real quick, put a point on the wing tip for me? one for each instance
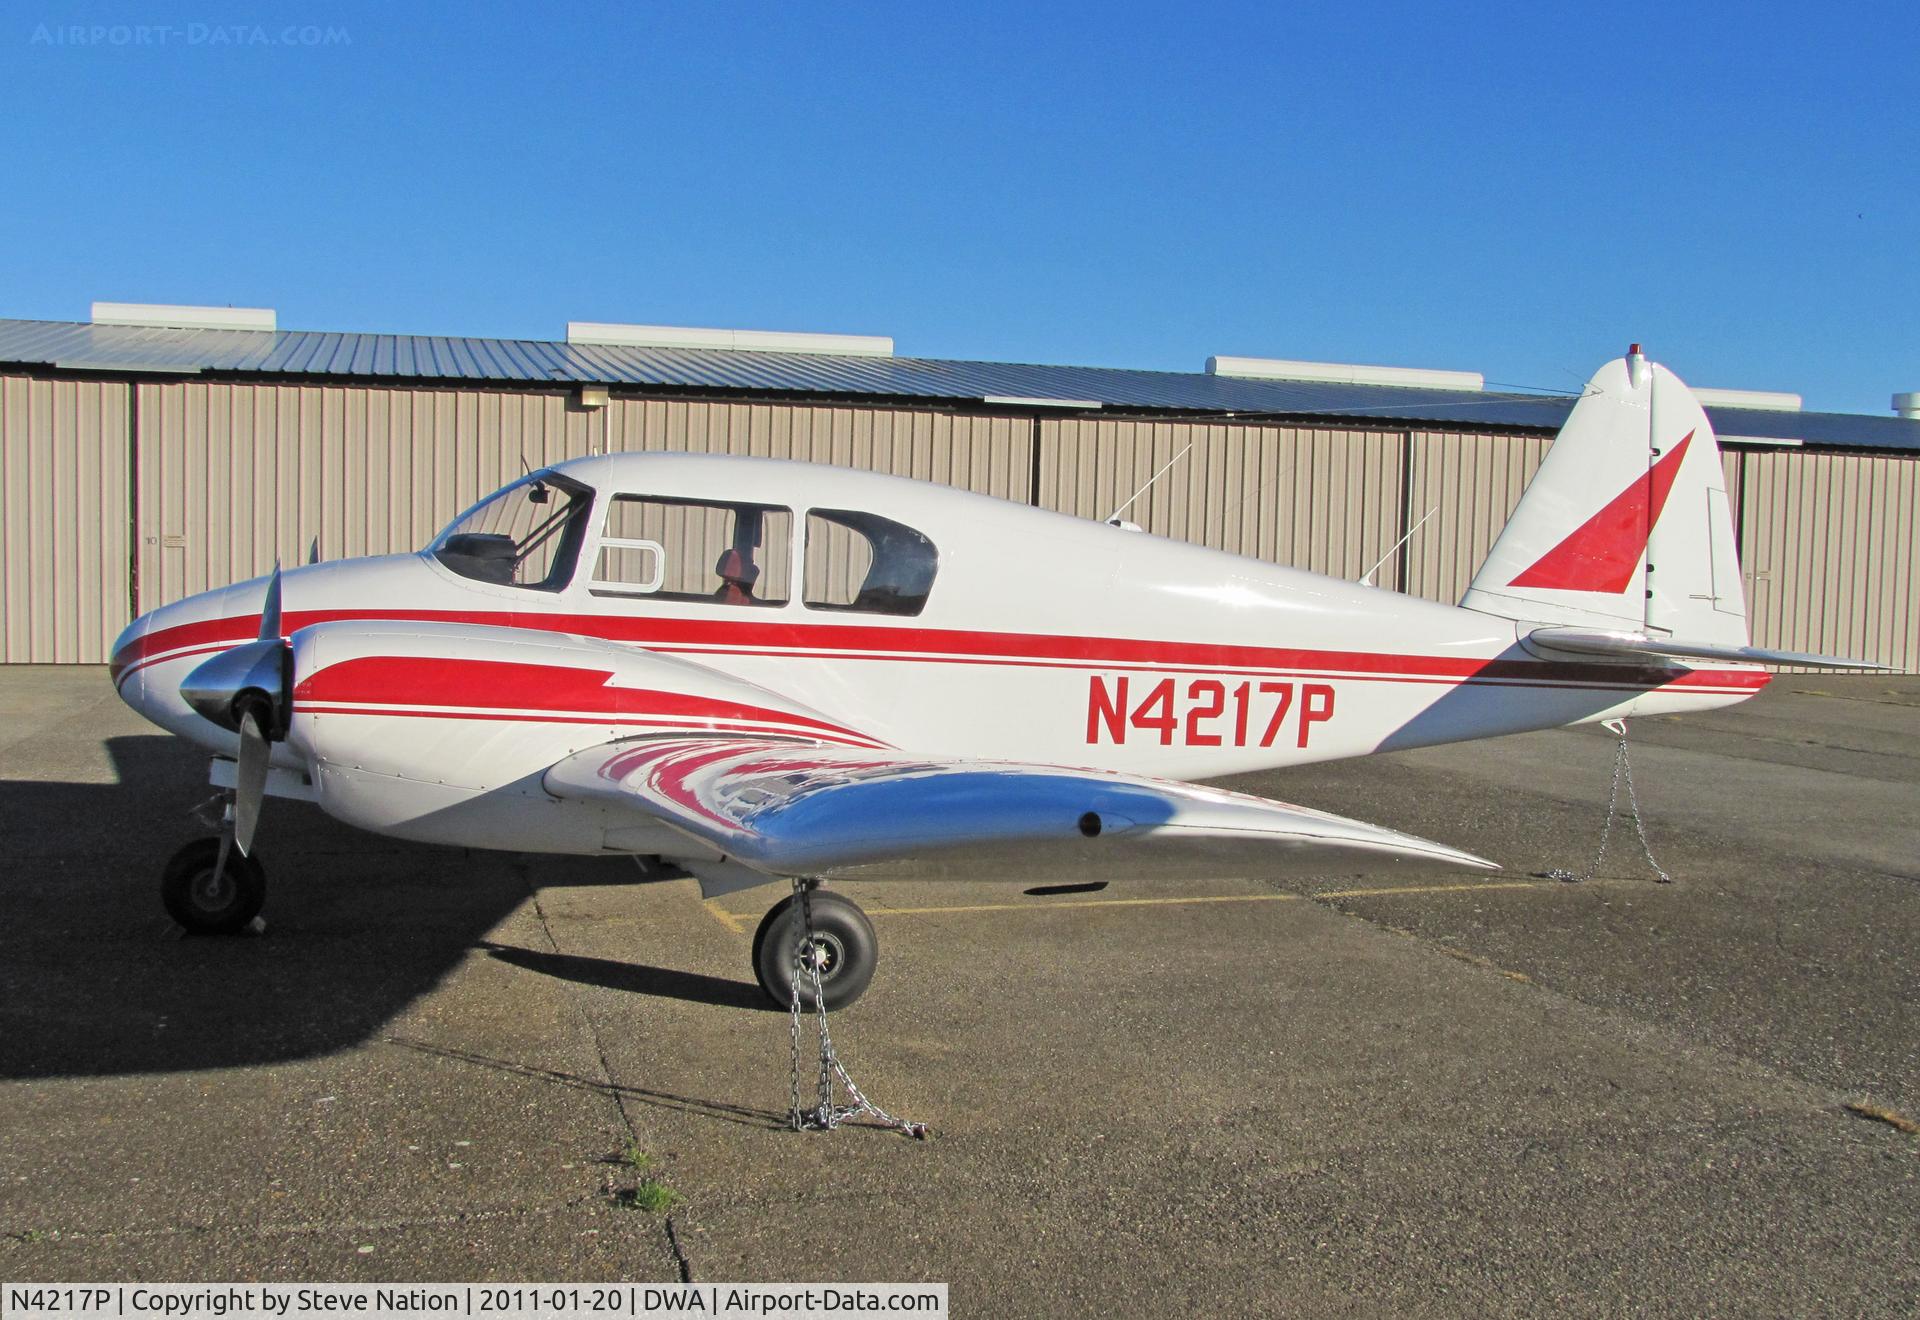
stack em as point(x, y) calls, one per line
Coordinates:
point(1471, 861)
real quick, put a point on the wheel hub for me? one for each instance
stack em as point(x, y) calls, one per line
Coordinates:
point(213, 891)
point(826, 955)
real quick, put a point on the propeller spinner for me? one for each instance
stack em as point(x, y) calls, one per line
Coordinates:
point(249, 688)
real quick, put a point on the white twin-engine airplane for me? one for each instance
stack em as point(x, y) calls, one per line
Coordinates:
point(759, 670)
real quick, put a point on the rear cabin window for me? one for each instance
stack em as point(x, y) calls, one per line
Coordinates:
point(726, 554)
point(866, 564)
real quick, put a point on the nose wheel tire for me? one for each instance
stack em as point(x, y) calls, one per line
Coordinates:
point(844, 944)
point(207, 899)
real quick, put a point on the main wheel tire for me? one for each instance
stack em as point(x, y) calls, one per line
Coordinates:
point(845, 938)
point(210, 902)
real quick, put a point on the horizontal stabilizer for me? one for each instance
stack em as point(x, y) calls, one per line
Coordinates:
point(1639, 644)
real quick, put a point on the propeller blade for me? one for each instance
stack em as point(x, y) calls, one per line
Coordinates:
point(250, 780)
point(313, 551)
point(270, 609)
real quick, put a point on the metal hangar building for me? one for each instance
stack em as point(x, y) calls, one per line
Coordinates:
point(153, 452)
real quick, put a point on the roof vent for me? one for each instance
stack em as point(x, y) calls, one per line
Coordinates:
point(760, 341)
point(1344, 373)
point(1032, 401)
point(184, 318)
point(1907, 405)
point(1765, 400)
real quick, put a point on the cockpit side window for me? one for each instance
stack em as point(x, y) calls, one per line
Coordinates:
point(863, 563)
point(669, 549)
point(527, 535)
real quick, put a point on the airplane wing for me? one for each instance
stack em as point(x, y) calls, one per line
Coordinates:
point(793, 808)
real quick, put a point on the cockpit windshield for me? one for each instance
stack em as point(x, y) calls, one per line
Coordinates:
point(527, 535)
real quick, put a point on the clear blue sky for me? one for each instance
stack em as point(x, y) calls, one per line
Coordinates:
point(1517, 191)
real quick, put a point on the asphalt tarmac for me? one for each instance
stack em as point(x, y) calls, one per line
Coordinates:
point(1425, 1093)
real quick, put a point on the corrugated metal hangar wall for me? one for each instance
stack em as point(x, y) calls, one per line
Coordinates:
point(124, 495)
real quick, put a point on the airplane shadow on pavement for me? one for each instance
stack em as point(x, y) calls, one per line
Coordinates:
point(636, 978)
point(95, 979)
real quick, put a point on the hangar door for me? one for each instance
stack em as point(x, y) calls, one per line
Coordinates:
point(233, 476)
point(64, 495)
point(1831, 543)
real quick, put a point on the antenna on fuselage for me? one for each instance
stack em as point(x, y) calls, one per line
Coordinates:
point(1114, 517)
point(538, 491)
point(1366, 578)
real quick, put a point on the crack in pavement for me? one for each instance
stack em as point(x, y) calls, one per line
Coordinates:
point(611, 1088)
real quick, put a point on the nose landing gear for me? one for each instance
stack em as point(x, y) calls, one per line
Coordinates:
point(210, 888)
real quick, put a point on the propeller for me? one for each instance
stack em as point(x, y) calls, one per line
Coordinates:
point(250, 784)
point(249, 688)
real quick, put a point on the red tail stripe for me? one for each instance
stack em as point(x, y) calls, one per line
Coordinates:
point(1602, 552)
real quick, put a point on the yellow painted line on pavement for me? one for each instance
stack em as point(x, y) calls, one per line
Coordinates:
point(732, 919)
point(1086, 903)
point(1439, 889)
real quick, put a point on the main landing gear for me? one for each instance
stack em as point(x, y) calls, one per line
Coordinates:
point(211, 889)
point(844, 949)
point(815, 952)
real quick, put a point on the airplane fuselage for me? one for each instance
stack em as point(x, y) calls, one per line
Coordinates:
point(1040, 637)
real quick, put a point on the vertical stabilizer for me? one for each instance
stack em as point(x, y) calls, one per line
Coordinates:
point(1627, 525)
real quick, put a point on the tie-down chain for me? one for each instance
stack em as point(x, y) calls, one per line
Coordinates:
point(826, 1114)
point(1622, 774)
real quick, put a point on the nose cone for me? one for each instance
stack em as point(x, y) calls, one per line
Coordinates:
point(161, 647)
point(214, 687)
point(125, 668)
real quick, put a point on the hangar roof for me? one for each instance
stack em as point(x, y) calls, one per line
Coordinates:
point(121, 349)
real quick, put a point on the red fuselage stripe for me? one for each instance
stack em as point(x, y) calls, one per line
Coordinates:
point(950, 646)
point(619, 721)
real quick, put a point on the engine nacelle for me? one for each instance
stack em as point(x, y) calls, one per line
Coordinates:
point(442, 731)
